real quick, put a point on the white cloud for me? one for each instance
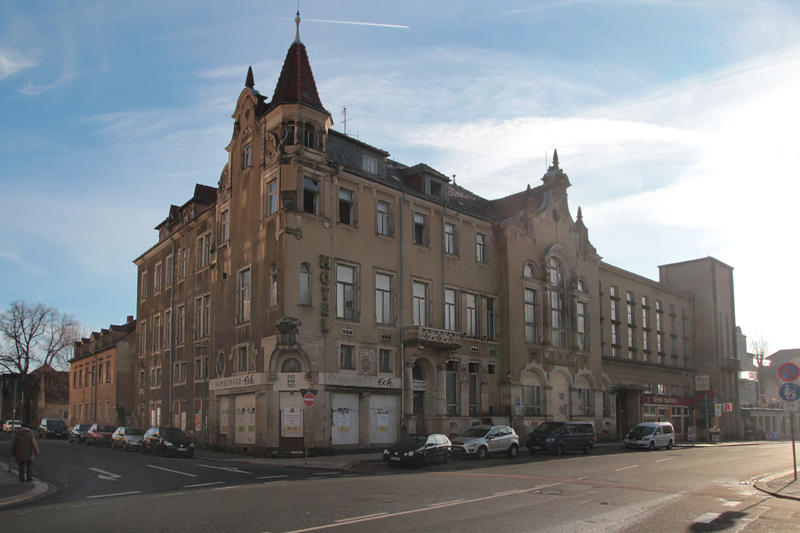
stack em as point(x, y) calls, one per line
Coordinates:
point(12, 62)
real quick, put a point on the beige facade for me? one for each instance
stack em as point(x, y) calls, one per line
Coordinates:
point(101, 377)
point(406, 302)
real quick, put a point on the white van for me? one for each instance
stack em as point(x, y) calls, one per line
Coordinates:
point(651, 435)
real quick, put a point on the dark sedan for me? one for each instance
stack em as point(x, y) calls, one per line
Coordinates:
point(418, 450)
point(100, 434)
point(167, 441)
point(78, 433)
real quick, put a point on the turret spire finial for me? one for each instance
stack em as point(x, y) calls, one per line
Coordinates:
point(250, 82)
point(297, 21)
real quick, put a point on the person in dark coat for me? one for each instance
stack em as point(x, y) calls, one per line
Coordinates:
point(24, 448)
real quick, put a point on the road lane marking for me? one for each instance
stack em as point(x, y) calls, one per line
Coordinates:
point(359, 518)
point(731, 503)
point(231, 487)
point(106, 475)
point(274, 482)
point(626, 468)
point(112, 495)
point(667, 459)
point(203, 484)
point(451, 502)
point(707, 518)
point(226, 468)
point(326, 473)
point(173, 471)
point(350, 521)
point(273, 477)
point(582, 478)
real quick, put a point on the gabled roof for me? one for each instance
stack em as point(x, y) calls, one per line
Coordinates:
point(512, 206)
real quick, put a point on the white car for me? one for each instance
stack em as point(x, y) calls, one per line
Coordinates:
point(651, 435)
point(7, 427)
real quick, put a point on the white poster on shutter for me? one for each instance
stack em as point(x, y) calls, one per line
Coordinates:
point(245, 419)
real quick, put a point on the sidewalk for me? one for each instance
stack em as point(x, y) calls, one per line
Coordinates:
point(12, 491)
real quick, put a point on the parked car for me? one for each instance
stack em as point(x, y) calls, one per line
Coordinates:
point(78, 433)
point(651, 435)
point(167, 441)
point(100, 434)
point(418, 450)
point(127, 439)
point(11, 424)
point(53, 427)
point(480, 441)
point(560, 437)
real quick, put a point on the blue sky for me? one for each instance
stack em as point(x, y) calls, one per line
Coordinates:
point(675, 121)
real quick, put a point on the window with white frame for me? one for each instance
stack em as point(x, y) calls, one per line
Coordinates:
point(420, 303)
point(473, 378)
point(272, 197)
point(310, 135)
point(369, 164)
point(157, 333)
point(529, 270)
point(179, 372)
point(142, 338)
point(583, 325)
point(182, 263)
point(346, 207)
point(202, 314)
point(473, 329)
point(420, 229)
point(201, 367)
point(180, 323)
point(450, 310)
point(662, 389)
point(305, 284)
point(383, 298)
point(243, 296)
point(204, 250)
point(532, 400)
point(480, 248)
point(345, 292)
point(143, 287)
point(168, 329)
point(383, 219)
point(450, 239)
point(159, 278)
point(224, 226)
point(170, 270)
point(531, 313)
point(247, 155)
point(451, 388)
point(558, 310)
point(584, 401)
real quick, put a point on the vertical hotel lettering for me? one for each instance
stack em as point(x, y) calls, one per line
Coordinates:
point(325, 279)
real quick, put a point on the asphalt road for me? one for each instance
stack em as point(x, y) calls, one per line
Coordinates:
point(685, 489)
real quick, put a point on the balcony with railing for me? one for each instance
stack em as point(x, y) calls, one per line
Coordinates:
point(431, 338)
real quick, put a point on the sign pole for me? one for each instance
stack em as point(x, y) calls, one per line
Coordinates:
point(794, 453)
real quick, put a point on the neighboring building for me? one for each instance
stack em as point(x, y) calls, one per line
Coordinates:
point(771, 415)
point(748, 376)
point(48, 394)
point(405, 301)
point(102, 375)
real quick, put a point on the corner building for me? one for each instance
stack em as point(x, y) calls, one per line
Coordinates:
point(406, 302)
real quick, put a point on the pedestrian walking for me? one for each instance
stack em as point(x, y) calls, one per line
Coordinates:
point(24, 448)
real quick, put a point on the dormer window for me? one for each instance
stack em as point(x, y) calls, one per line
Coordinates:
point(369, 164)
point(436, 189)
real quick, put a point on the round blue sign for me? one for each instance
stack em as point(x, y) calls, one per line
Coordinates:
point(790, 392)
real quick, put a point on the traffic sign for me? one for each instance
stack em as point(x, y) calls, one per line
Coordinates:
point(788, 372)
point(789, 392)
point(309, 399)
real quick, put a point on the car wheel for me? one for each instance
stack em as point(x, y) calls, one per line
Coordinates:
point(560, 449)
point(513, 451)
point(482, 453)
point(669, 445)
point(588, 448)
point(652, 446)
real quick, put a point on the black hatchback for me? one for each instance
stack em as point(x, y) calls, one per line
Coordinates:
point(419, 449)
point(53, 428)
point(167, 441)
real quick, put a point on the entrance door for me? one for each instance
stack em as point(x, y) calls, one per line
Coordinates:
point(292, 423)
point(419, 411)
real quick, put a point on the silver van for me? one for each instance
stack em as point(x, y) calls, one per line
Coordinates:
point(651, 435)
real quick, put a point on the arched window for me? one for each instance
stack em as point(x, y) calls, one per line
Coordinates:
point(557, 301)
point(288, 133)
point(529, 270)
point(582, 287)
point(310, 136)
point(291, 365)
point(305, 284)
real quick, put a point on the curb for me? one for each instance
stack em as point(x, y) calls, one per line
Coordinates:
point(40, 488)
point(762, 485)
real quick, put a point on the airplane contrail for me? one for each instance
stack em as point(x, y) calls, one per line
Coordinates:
point(358, 23)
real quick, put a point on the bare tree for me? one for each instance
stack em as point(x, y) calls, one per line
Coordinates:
point(34, 335)
point(759, 347)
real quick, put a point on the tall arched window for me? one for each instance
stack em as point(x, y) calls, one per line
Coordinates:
point(557, 301)
point(310, 136)
point(529, 271)
point(305, 284)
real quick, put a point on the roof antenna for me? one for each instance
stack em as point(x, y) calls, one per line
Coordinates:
point(344, 119)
